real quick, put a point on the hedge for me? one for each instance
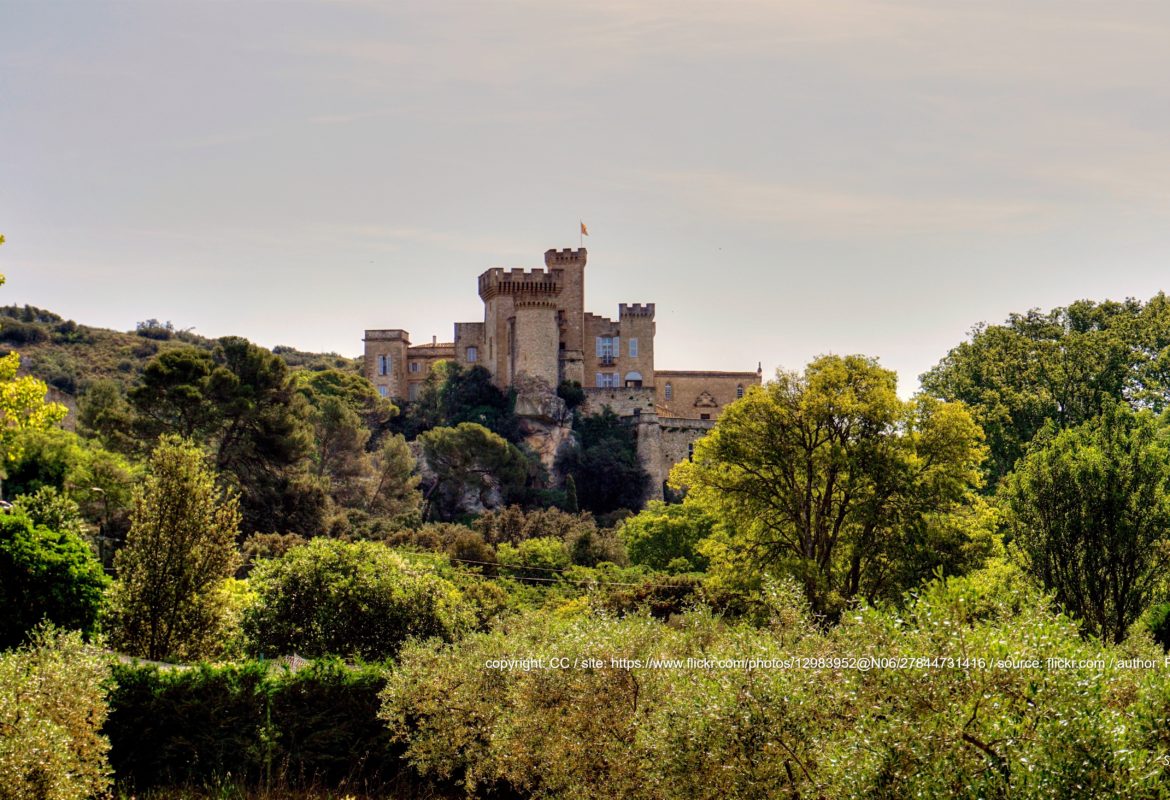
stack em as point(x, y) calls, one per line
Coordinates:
point(252, 724)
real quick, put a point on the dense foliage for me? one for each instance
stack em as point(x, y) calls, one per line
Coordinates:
point(52, 706)
point(1063, 366)
point(45, 575)
point(350, 599)
point(1091, 512)
point(620, 717)
point(254, 724)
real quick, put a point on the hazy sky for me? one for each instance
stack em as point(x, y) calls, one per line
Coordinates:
point(783, 178)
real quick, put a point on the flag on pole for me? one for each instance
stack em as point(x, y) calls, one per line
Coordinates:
point(584, 230)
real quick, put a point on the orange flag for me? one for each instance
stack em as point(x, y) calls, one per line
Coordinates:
point(584, 230)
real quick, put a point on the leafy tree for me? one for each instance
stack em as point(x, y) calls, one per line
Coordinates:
point(471, 466)
point(666, 537)
point(606, 471)
point(348, 599)
point(1091, 512)
point(392, 490)
point(451, 395)
point(1063, 366)
point(22, 406)
point(167, 602)
point(823, 474)
point(52, 709)
point(243, 403)
point(173, 397)
point(98, 481)
point(45, 575)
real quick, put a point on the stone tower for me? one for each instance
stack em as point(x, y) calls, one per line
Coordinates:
point(570, 311)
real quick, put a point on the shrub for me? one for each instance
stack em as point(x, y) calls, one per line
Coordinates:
point(45, 575)
point(666, 537)
point(350, 599)
point(625, 715)
point(52, 706)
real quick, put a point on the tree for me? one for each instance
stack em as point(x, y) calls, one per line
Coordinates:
point(167, 602)
point(48, 575)
point(1091, 512)
point(348, 599)
point(473, 469)
point(666, 537)
point(607, 473)
point(22, 404)
point(1062, 366)
point(824, 474)
point(243, 403)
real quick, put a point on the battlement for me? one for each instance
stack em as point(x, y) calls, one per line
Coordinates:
point(518, 281)
point(567, 257)
point(635, 310)
point(387, 335)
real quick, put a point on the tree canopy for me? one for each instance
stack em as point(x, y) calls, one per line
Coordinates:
point(825, 474)
point(1091, 512)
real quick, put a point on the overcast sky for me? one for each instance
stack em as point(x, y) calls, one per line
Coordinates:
point(783, 178)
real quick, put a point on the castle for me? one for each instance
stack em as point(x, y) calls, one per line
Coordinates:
point(535, 325)
point(535, 322)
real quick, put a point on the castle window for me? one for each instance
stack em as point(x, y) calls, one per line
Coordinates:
point(384, 391)
point(472, 355)
point(607, 348)
point(412, 392)
point(739, 390)
point(607, 380)
point(414, 366)
point(704, 416)
point(383, 365)
point(668, 393)
point(633, 348)
point(633, 380)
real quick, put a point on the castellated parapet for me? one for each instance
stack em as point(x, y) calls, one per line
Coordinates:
point(635, 310)
point(567, 257)
point(499, 281)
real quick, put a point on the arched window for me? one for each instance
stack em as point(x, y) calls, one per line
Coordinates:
point(739, 391)
point(668, 393)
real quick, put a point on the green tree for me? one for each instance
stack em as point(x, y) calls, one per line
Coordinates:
point(45, 575)
point(1063, 366)
point(823, 474)
point(22, 404)
point(348, 599)
point(242, 402)
point(666, 537)
point(1091, 512)
point(168, 601)
point(473, 469)
point(607, 473)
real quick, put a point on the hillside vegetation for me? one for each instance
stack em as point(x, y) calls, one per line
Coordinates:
point(70, 356)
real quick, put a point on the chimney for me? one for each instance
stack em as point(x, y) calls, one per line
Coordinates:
point(434, 340)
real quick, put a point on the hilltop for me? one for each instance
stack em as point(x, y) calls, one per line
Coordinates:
point(69, 356)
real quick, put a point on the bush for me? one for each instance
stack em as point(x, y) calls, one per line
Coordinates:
point(349, 599)
point(666, 537)
point(628, 716)
point(52, 706)
point(253, 724)
point(45, 575)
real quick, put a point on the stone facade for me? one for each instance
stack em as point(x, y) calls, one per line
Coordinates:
point(535, 326)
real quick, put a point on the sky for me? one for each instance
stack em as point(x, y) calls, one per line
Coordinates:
point(783, 178)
